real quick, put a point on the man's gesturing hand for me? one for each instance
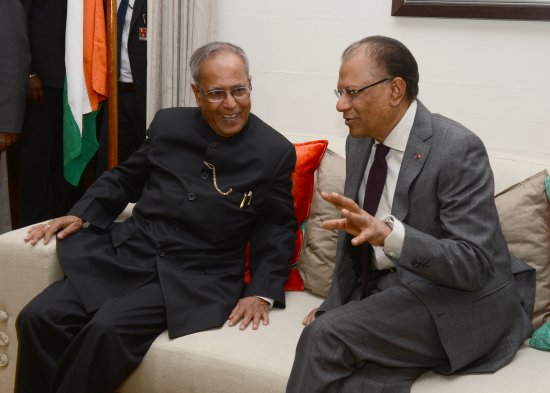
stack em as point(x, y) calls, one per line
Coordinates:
point(356, 221)
point(250, 309)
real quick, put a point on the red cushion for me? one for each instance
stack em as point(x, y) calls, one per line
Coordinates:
point(308, 158)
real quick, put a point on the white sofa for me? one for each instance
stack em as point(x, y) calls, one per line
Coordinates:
point(227, 360)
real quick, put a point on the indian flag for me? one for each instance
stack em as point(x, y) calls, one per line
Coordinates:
point(85, 83)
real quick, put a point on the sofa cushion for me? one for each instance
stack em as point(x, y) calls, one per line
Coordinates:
point(316, 265)
point(524, 374)
point(308, 157)
point(524, 213)
point(226, 360)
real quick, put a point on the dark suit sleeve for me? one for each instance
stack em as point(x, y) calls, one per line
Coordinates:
point(273, 236)
point(109, 195)
point(14, 65)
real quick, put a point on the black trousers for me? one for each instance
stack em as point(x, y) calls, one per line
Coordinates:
point(43, 191)
point(131, 130)
point(64, 349)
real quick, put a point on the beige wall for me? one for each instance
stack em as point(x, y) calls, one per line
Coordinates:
point(490, 75)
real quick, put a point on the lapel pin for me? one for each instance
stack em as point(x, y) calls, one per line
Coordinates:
point(418, 156)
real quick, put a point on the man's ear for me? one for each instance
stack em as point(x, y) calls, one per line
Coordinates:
point(398, 89)
point(197, 93)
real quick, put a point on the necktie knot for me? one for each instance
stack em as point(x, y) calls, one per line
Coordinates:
point(381, 151)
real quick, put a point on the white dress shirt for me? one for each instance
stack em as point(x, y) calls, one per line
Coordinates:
point(125, 70)
point(396, 141)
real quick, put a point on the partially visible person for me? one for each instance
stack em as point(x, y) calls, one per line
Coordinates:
point(207, 181)
point(423, 277)
point(43, 190)
point(132, 84)
point(14, 69)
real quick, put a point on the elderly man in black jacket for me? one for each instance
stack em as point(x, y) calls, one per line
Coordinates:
point(207, 181)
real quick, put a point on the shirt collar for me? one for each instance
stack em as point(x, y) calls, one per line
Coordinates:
point(398, 137)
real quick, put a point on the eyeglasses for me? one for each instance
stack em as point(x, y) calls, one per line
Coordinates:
point(352, 93)
point(217, 96)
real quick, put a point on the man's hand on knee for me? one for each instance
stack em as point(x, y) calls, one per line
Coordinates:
point(310, 317)
point(62, 226)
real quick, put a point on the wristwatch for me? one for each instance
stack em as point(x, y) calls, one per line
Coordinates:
point(389, 222)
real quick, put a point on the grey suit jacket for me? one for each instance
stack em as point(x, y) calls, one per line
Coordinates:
point(454, 258)
point(14, 65)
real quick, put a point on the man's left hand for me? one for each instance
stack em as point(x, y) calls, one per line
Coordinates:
point(250, 309)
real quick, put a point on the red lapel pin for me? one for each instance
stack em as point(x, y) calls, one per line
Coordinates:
point(418, 156)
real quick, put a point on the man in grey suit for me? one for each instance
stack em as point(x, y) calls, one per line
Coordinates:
point(14, 69)
point(423, 282)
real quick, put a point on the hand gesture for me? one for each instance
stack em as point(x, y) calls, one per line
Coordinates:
point(63, 226)
point(356, 221)
point(250, 309)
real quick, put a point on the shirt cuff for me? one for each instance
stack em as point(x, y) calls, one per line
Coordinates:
point(393, 245)
point(270, 301)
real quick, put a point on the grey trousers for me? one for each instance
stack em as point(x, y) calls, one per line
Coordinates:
point(380, 344)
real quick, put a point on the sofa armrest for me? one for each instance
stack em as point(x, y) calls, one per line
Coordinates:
point(25, 271)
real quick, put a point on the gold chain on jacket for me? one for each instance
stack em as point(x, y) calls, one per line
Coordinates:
point(214, 180)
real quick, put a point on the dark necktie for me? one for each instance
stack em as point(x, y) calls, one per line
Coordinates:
point(373, 192)
point(121, 17)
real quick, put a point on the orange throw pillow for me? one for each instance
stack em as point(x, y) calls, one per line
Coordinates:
point(308, 158)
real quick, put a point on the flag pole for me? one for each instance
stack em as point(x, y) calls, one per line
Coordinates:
point(112, 102)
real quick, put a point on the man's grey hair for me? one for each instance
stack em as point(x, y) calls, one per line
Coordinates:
point(205, 51)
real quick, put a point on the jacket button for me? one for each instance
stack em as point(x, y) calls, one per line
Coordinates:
point(3, 360)
point(3, 316)
point(191, 196)
point(161, 252)
point(213, 144)
point(204, 175)
point(4, 340)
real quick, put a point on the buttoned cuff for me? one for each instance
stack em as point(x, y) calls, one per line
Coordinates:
point(393, 245)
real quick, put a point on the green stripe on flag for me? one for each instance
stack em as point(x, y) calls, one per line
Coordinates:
point(77, 150)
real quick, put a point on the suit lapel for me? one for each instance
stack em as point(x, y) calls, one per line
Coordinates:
point(358, 153)
point(137, 13)
point(416, 154)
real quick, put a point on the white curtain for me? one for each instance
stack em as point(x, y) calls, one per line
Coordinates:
point(176, 29)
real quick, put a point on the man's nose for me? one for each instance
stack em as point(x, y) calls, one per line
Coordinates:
point(229, 101)
point(343, 103)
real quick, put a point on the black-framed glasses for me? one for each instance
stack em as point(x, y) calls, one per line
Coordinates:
point(352, 93)
point(218, 95)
